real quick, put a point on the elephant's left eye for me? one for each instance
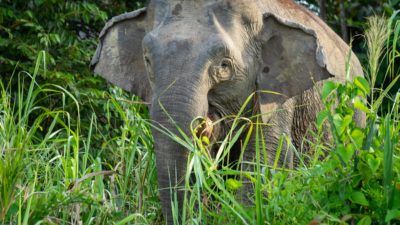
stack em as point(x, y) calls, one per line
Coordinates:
point(223, 71)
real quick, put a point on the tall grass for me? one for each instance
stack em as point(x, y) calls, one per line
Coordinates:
point(54, 172)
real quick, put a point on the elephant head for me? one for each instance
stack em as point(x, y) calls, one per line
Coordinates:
point(194, 58)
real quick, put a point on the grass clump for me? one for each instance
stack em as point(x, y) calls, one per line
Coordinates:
point(53, 173)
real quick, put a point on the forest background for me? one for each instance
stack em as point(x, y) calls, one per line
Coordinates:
point(78, 144)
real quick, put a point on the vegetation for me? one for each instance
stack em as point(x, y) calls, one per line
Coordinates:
point(50, 173)
point(74, 149)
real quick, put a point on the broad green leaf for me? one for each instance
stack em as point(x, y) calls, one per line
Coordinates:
point(364, 169)
point(392, 214)
point(347, 120)
point(358, 137)
point(366, 220)
point(327, 89)
point(373, 163)
point(358, 104)
point(359, 198)
point(346, 153)
point(338, 121)
point(342, 123)
point(363, 84)
point(321, 118)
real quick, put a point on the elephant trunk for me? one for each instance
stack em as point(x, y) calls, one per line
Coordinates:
point(174, 108)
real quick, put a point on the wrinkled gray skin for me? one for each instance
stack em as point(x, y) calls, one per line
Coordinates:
point(205, 57)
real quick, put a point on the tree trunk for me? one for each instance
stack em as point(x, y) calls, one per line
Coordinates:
point(343, 21)
point(322, 7)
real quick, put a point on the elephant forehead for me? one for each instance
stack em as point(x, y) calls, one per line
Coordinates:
point(204, 25)
point(203, 11)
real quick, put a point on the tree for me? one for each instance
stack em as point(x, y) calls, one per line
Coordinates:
point(322, 7)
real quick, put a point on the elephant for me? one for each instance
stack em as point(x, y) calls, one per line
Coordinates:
point(203, 58)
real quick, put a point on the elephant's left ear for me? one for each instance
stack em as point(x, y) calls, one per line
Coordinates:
point(292, 60)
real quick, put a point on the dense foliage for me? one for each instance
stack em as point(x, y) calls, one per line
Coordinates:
point(67, 31)
point(73, 148)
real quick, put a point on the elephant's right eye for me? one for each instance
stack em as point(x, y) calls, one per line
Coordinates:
point(223, 71)
point(147, 63)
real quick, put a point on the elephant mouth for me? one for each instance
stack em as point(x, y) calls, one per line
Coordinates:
point(209, 126)
point(215, 127)
point(206, 127)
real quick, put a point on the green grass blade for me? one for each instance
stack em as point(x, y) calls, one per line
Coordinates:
point(259, 204)
point(384, 94)
point(29, 203)
point(388, 161)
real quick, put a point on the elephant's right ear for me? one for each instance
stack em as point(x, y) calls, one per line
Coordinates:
point(119, 55)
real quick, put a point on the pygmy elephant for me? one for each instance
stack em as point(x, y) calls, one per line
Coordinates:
point(203, 58)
